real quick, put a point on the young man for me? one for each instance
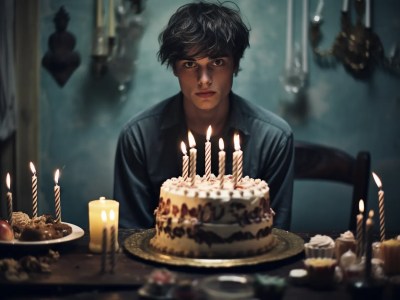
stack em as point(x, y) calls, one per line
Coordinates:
point(203, 44)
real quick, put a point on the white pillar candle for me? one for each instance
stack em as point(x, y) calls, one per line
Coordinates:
point(34, 190)
point(57, 196)
point(193, 158)
point(381, 205)
point(208, 154)
point(221, 156)
point(185, 162)
point(9, 199)
point(96, 224)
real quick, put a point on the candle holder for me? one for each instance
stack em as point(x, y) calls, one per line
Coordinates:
point(356, 46)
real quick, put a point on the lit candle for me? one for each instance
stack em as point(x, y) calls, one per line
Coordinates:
point(95, 221)
point(368, 248)
point(289, 34)
point(111, 19)
point(112, 241)
point(104, 241)
point(185, 162)
point(34, 190)
point(237, 160)
point(345, 6)
point(208, 154)
point(9, 199)
point(367, 13)
point(99, 15)
point(193, 158)
point(359, 233)
point(381, 203)
point(57, 196)
point(318, 12)
point(221, 156)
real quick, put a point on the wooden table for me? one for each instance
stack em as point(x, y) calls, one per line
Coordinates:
point(76, 275)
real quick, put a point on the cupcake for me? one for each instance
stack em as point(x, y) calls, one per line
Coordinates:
point(321, 272)
point(345, 242)
point(320, 246)
point(269, 287)
point(390, 253)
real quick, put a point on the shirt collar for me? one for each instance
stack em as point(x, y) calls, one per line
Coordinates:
point(174, 115)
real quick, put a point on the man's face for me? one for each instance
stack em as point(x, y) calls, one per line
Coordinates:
point(205, 82)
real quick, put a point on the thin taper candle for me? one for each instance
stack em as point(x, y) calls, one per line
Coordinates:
point(359, 233)
point(368, 245)
point(57, 196)
point(221, 156)
point(185, 162)
point(193, 158)
point(111, 19)
point(208, 154)
point(238, 160)
point(381, 204)
point(9, 199)
point(34, 190)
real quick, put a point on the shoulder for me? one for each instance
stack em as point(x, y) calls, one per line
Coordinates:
point(149, 119)
point(262, 118)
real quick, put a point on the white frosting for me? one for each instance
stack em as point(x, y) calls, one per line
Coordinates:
point(348, 235)
point(321, 241)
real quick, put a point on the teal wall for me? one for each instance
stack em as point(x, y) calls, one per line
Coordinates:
point(80, 123)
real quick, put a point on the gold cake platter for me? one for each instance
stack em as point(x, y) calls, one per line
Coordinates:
point(287, 245)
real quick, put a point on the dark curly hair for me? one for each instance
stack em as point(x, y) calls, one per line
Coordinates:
point(204, 29)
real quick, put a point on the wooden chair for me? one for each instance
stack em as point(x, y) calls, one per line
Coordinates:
point(318, 162)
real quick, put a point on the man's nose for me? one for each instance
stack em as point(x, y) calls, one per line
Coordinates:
point(204, 77)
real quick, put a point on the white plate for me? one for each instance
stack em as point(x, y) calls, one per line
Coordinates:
point(76, 233)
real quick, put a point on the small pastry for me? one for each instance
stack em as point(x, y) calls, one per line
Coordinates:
point(320, 246)
point(345, 242)
point(269, 287)
point(390, 253)
point(321, 272)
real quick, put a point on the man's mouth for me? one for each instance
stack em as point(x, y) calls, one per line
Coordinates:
point(205, 94)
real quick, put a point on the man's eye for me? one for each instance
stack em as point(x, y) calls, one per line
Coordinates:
point(218, 62)
point(189, 64)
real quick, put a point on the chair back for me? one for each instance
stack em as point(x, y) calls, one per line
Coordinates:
point(319, 162)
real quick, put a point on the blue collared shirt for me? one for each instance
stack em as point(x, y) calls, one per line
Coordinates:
point(149, 152)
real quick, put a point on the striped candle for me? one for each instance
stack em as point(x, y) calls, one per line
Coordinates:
point(208, 154)
point(9, 199)
point(237, 160)
point(381, 205)
point(57, 196)
point(221, 156)
point(193, 158)
point(359, 233)
point(185, 162)
point(34, 191)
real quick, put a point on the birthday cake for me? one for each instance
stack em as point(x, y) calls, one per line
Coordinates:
point(205, 220)
point(38, 228)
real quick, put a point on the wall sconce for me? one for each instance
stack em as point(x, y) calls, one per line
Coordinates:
point(61, 60)
point(356, 46)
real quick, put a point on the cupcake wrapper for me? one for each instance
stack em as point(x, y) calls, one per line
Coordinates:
point(312, 252)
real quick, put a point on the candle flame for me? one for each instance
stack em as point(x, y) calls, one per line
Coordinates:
point(192, 142)
point(32, 168)
point(183, 147)
point(377, 180)
point(112, 215)
point(371, 214)
point(221, 144)
point(103, 216)
point(209, 130)
point(236, 141)
point(361, 206)
point(56, 176)
point(8, 180)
